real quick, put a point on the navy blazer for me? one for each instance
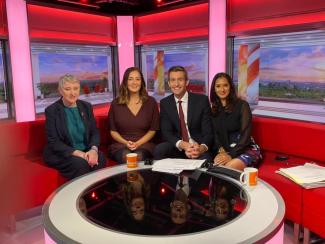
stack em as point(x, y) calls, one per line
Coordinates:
point(58, 136)
point(199, 120)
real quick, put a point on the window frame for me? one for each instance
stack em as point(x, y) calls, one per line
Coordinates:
point(140, 49)
point(112, 52)
point(7, 79)
point(294, 109)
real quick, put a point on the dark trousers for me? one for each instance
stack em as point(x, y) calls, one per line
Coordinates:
point(73, 166)
point(120, 155)
point(168, 150)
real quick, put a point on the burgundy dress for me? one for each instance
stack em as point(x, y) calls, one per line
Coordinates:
point(132, 127)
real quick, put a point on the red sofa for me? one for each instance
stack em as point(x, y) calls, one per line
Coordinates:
point(301, 142)
point(26, 182)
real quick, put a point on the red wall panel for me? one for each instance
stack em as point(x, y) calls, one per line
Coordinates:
point(184, 23)
point(49, 24)
point(271, 16)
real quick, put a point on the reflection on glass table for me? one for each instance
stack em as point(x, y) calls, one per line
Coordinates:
point(153, 203)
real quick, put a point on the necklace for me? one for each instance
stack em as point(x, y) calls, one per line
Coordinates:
point(135, 103)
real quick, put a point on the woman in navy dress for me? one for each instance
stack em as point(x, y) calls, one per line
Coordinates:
point(133, 118)
point(232, 121)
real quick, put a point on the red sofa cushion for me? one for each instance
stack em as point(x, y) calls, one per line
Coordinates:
point(25, 138)
point(290, 191)
point(105, 137)
point(22, 168)
point(28, 183)
point(302, 142)
point(314, 210)
point(298, 138)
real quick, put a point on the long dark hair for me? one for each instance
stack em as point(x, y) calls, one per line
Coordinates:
point(215, 100)
point(124, 95)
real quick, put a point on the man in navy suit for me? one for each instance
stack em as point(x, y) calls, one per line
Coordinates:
point(185, 121)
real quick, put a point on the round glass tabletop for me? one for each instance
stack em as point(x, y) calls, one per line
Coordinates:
point(146, 202)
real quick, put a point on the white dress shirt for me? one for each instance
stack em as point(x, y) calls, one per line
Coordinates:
point(184, 105)
point(185, 187)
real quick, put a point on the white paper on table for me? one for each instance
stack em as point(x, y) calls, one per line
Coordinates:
point(171, 171)
point(176, 165)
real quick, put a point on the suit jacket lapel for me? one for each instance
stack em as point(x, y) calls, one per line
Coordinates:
point(173, 111)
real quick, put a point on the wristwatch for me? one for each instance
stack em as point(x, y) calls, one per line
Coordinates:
point(94, 148)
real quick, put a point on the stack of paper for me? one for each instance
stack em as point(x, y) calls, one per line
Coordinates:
point(176, 165)
point(308, 175)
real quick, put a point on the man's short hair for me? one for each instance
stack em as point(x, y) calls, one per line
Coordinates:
point(176, 69)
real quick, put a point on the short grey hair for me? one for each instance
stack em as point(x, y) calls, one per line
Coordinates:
point(67, 78)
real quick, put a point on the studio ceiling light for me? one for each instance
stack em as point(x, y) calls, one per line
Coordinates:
point(80, 3)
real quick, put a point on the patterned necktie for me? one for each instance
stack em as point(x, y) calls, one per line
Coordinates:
point(182, 122)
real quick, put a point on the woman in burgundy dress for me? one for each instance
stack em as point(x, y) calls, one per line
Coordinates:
point(133, 118)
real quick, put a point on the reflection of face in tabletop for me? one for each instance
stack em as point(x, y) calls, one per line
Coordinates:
point(137, 208)
point(135, 191)
point(179, 211)
point(179, 207)
point(222, 199)
point(222, 208)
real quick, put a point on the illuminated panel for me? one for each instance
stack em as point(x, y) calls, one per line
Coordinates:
point(241, 11)
point(67, 26)
point(288, 23)
point(125, 43)
point(20, 60)
point(65, 37)
point(81, 3)
point(217, 37)
point(3, 21)
point(270, 16)
point(179, 24)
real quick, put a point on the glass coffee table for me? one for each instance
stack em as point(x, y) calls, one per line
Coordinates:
point(143, 206)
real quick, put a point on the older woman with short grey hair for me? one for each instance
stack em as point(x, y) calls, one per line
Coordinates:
point(67, 78)
point(72, 135)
